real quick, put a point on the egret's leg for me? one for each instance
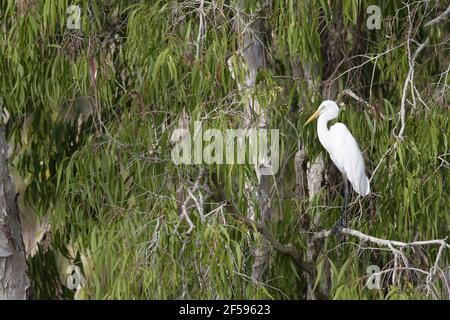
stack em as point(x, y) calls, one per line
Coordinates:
point(345, 206)
point(342, 221)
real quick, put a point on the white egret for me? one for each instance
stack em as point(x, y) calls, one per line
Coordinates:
point(344, 152)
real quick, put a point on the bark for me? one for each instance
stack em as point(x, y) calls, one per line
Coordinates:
point(14, 281)
point(300, 162)
point(24, 5)
point(315, 176)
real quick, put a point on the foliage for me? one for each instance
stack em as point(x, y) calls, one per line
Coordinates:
point(106, 179)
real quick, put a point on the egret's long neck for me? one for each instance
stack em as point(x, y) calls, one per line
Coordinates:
point(322, 129)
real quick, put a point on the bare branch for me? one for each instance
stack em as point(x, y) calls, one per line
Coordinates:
point(438, 19)
point(201, 28)
point(185, 205)
point(383, 242)
point(350, 93)
point(408, 81)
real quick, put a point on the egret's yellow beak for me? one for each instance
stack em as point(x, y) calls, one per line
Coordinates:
point(315, 115)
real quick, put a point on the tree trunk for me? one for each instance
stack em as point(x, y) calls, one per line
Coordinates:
point(14, 281)
point(332, 54)
point(252, 46)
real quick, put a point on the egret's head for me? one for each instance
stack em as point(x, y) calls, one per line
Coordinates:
point(328, 107)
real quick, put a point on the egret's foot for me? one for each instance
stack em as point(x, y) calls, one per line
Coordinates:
point(337, 228)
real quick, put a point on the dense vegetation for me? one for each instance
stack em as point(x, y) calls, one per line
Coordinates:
point(89, 115)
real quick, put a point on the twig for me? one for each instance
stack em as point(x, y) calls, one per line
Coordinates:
point(350, 93)
point(201, 28)
point(184, 205)
point(408, 81)
point(436, 264)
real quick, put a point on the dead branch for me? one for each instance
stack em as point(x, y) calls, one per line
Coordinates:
point(190, 202)
point(396, 247)
point(201, 28)
point(408, 82)
point(382, 242)
point(438, 19)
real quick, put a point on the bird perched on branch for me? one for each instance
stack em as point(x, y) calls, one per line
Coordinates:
point(344, 152)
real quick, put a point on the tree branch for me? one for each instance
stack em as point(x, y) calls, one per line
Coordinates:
point(287, 249)
point(408, 81)
point(382, 242)
point(438, 19)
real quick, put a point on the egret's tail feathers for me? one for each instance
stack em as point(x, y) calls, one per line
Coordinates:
point(364, 187)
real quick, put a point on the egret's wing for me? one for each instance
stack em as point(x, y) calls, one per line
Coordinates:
point(347, 156)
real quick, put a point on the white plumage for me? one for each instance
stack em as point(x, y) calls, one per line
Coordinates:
point(342, 147)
